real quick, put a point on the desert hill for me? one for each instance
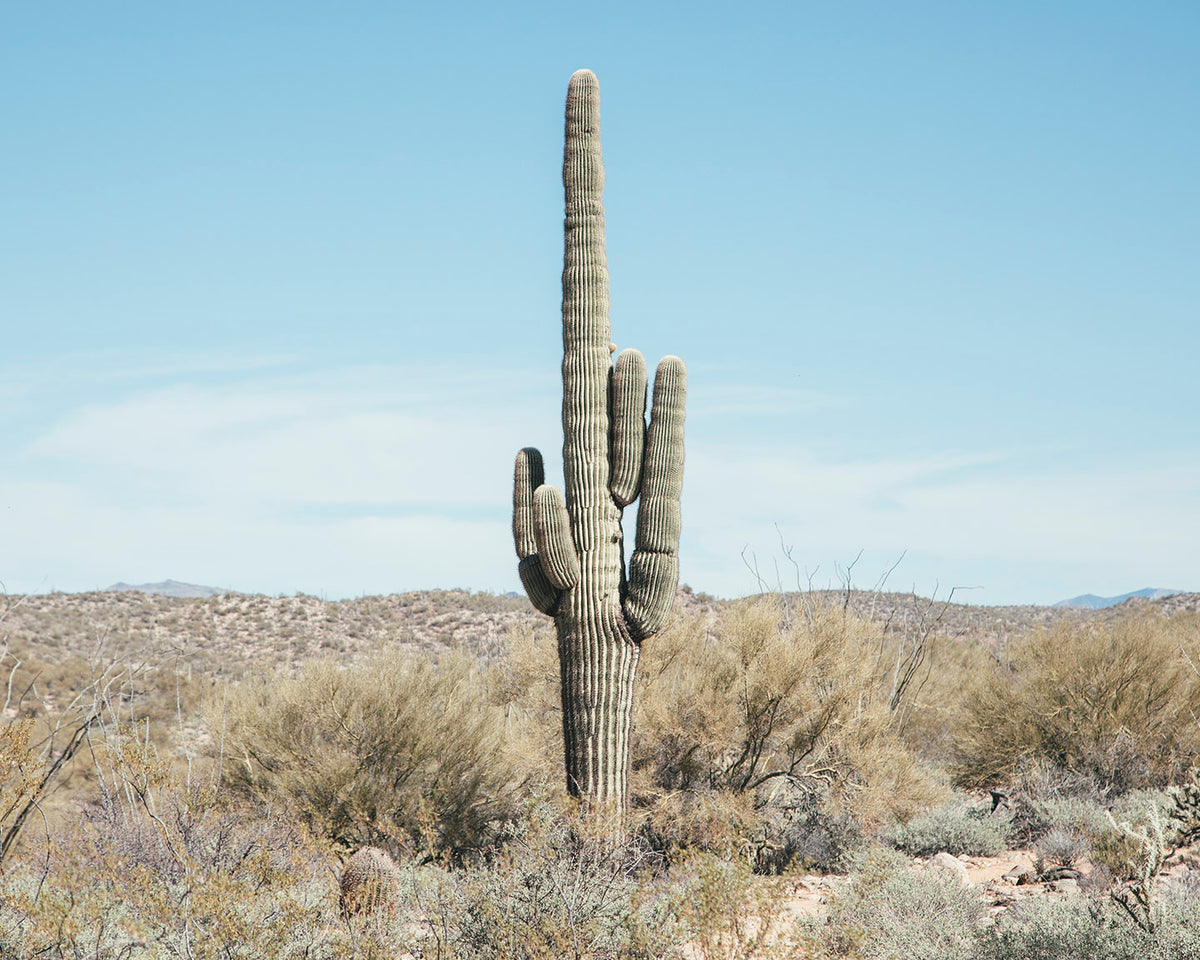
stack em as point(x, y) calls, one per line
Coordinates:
point(228, 634)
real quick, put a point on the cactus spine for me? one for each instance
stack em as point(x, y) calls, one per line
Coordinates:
point(370, 885)
point(571, 548)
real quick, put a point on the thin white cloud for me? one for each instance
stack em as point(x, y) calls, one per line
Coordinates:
point(390, 478)
point(62, 536)
point(960, 518)
point(87, 370)
point(363, 436)
point(356, 479)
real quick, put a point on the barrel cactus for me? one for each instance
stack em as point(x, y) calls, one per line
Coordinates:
point(370, 885)
point(571, 549)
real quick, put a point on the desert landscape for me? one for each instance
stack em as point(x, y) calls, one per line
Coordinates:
point(791, 796)
point(301, 304)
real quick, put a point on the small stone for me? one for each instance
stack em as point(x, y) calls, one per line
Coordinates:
point(950, 862)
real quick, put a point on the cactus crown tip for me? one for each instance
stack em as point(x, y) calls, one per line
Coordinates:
point(584, 76)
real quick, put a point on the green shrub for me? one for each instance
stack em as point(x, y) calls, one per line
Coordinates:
point(1034, 818)
point(1057, 929)
point(891, 911)
point(953, 828)
point(398, 751)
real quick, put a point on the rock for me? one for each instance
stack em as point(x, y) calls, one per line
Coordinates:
point(949, 862)
point(1065, 886)
point(1059, 873)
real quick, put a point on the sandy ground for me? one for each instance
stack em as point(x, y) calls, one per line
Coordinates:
point(996, 879)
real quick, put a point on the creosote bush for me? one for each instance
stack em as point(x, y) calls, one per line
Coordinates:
point(399, 751)
point(1112, 701)
point(750, 724)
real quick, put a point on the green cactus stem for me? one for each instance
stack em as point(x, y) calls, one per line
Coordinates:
point(571, 548)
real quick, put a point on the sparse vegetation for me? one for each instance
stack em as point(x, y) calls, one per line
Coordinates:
point(892, 911)
point(1113, 702)
point(207, 816)
point(772, 735)
point(955, 828)
point(399, 751)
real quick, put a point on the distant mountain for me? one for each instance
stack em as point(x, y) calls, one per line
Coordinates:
point(1090, 601)
point(168, 588)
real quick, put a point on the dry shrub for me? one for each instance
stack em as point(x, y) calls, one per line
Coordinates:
point(755, 704)
point(47, 714)
point(938, 708)
point(398, 751)
point(19, 769)
point(1061, 848)
point(1114, 702)
point(523, 686)
point(158, 868)
point(725, 913)
point(892, 911)
point(559, 889)
point(723, 822)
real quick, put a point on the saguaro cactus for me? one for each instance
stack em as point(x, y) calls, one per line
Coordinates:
point(571, 550)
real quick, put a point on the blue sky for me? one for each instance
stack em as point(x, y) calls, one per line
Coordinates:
point(279, 287)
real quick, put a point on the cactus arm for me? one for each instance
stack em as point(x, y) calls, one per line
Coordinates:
point(628, 425)
point(654, 565)
point(528, 475)
point(552, 531)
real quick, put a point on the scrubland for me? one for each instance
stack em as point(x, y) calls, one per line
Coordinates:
point(184, 778)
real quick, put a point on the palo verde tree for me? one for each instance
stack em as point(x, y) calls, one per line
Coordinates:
point(571, 550)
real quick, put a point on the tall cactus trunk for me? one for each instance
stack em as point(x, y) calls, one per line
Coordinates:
point(597, 661)
point(571, 549)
